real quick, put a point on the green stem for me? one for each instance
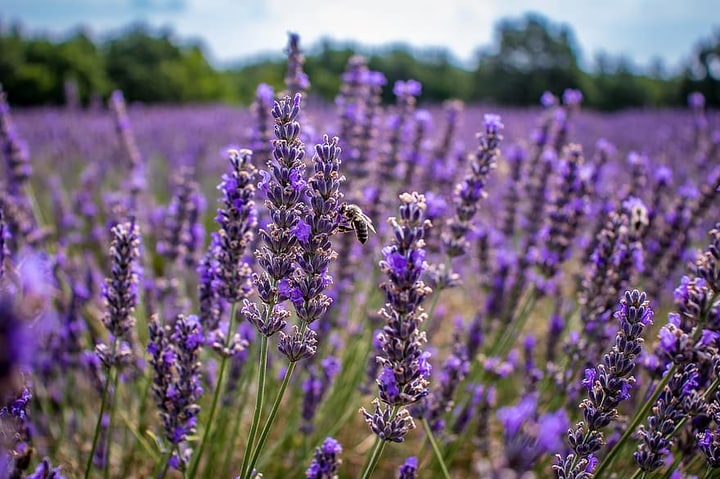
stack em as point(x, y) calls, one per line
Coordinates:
point(639, 474)
point(129, 458)
point(511, 331)
point(244, 390)
point(708, 472)
point(166, 466)
point(116, 376)
point(374, 458)
point(103, 405)
point(259, 399)
point(216, 395)
point(98, 427)
point(271, 418)
point(436, 449)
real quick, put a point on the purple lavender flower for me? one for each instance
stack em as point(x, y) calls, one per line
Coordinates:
point(20, 222)
point(527, 435)
point(237, 219)
point(297, 345)
point(404, 367)
point(315, 387)
point(182, 232)
point(568, 206)
point(326, 461)
point(386, 426)
point(260, 139)
point(16, 431)
point(408, 470)
point(44, 470)
point(709, 444)
point(453, 371)
point(124, 128)
point(393, 154)
point(670, 407)
point(707, 265)
point(15, 150)
point(311, 278)
point(296, 80)
point(285, 189)
point(607, 384)
point(120, 293)
point(15, 345)
point(4, 234)
point(211, 305)
point(469, 192)
point(613, 265)
point(177, 383)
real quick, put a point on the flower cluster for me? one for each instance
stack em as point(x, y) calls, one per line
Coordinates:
point(120, 294)
point(295, 80)
point(174, 354)
point(408, 470)
point(568, 207)
point(404, 366)
point(237, 219)
point(182, 234)
point(285, 189)
point(15, 151)
point(326, 461)
point(670, 407)
point(469, 192)
point(308, 281)
point(607, 385)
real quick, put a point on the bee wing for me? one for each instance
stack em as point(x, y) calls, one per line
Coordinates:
point(369, 222)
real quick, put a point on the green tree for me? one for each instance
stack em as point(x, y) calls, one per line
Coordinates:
point(532, 55)
point(702, 73)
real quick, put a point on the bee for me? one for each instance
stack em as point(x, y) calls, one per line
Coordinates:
point(358, 222)
point(639, 219)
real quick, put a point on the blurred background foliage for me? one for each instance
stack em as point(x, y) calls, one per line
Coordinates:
point(529, 55)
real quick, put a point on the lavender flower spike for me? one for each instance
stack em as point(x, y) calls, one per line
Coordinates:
point(15, 150)
point(237, 219)
point(120, 292)
point(177, 384)
point(607, 384)
point(404, 366)
point(408, 470)
point(469, 192)
point(326, 461)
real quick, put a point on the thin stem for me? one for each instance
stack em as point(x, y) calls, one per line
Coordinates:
point(374, 458)
point(103, 405)
point(166, 467)
point(511, 331)
point(436, 449)
point(116, 376)
point(244, 391)
point(639, 474)
point(216, 395)
point(259, 399)
point(708, 472)
point(271, 418)
point(141, 425)
point(98, 427)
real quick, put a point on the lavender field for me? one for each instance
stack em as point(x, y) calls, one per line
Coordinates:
point(359, 290)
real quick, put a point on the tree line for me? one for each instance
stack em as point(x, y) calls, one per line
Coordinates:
point(529, 55)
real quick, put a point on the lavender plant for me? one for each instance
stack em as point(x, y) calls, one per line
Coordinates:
point(526, 326)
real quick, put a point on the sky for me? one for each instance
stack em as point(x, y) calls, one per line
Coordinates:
point(232, 30)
